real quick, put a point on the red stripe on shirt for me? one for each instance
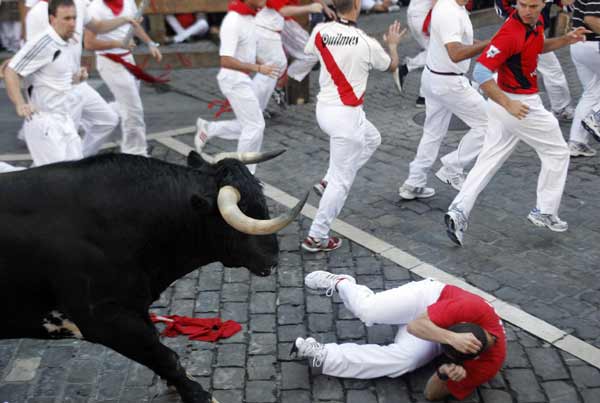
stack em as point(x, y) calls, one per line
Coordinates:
point(344, 88)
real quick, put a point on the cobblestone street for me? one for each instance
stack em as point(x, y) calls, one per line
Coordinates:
point(554, 277)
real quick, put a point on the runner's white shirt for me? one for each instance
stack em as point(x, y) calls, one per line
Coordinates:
point(100, 11)
point(347, 55)
point(419, 7)
point(449, 23)
point(238, 40)
point(270, 19)
point(46, 62)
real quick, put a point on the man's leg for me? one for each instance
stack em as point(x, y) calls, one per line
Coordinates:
point(586, 58)
point(98, 119)
point(415, 25)
point(554, 81)
point(52, 138)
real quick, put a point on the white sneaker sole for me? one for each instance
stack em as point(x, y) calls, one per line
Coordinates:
point(412, 196)
point(543, 225)
point(444, 179)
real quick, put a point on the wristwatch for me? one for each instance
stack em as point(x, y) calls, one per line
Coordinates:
point(443, 377)
point(153, 44)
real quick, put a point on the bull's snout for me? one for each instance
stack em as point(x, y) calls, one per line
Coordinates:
point(267, 271)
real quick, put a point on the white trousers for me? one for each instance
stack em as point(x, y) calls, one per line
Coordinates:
point(52, 138)
point(10, 35)
point(445, 96)
point(352, 141)
point(397, 306)
point(586, 57)
point(269, 49)
point(126, 90)
point(249, 125)
point(541, 131)
point(554, 81)
point(415, 25)
point(294, 39)
point(90, 111)
point(4, 168)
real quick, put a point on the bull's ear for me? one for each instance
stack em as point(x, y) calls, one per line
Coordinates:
point(202, 204)
point(195, 160)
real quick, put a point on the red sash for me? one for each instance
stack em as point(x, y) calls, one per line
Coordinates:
point(203, 329)
point(116, 6)
point(138, 73)
point(427, 23)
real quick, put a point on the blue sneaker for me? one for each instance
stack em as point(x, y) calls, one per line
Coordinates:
point(550, 221)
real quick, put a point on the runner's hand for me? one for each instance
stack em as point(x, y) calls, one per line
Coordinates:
point(25, 111)
point(330, 13)
point(315, 8)
point(80, 76)
point(577, 35)
point(155, 53)
point(517, 109)
point(455, 372)
point(269, 70)
point(466, 343)
point(127, 46)
point(394, 34)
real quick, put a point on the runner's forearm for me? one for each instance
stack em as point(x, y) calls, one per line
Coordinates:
point(13, 87)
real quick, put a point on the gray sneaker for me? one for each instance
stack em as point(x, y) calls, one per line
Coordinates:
point(565, 114)
point(408, 192)
point(309, 348)
point(577, 149)
point(454, 179)
point(591, 123)
point(456, 225)
point(550, 221)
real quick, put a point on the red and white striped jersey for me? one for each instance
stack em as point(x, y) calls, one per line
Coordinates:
point(347, 55)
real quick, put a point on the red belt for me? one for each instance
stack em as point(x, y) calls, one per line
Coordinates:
point(138, 72)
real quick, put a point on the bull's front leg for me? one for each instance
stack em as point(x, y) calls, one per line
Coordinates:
point(136, 338)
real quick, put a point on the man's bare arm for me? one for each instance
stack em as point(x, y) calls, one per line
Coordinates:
point(459, 52)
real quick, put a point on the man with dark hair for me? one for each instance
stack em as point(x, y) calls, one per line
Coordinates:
point(515, 112)
point(433, 318)
point(46, 61)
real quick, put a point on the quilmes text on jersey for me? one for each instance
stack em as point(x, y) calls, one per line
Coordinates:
point(340, 40)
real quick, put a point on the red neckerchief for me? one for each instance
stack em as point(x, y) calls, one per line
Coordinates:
point(203, 329)
point(116, 6)
point(240, 7)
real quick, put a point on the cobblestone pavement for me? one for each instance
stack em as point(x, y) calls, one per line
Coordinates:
point(552, 276)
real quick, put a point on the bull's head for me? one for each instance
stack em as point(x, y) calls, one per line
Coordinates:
point(247, 234)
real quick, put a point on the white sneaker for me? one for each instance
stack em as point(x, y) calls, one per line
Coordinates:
point(591, 123)
point(326, 281)
point(408, 192)
point(456, 225)
point(454, 179)
point(201, 136)
point(577, 149)
point(552, 222)
point(309, 348)
point(565, 114)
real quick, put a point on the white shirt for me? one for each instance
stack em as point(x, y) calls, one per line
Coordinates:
point(449, 23)
point(47, 63)
point(419, 7)
point(100, 11)
point(270, 19)
point(347, 56)
point(37, 22)
point(238, 40)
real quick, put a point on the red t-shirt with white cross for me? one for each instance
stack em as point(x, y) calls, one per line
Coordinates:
point(456, 305)
point(513, 52)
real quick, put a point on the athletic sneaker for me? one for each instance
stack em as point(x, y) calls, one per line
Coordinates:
point(565, 114)
point(591, 123)
point(408, 192)
point(309, 348)
point(319, 188)
point(420, 102)
point(456, 225)
point(311, 244)
point(324, 280)
point(454, 179)
point(201, 136)
point(399, 75)
point(550, 221)
point(279, 97)
point(580, 149)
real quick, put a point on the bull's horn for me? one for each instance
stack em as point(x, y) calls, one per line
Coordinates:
point(246, 158)
point(227, 201)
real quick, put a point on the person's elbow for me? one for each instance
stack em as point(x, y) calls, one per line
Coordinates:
point(433, 396)
point(411, 327)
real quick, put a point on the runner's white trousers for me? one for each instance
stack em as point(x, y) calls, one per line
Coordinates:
point(555, 81)
point(415, 25)
point(352, 141)
point(586, 57)
point(541, 131)
point(397, 306)
point(445, 96)
point(52, 137)
point(294, 39)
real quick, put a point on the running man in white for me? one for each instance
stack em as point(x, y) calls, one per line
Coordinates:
point(238, 60)
point(586, 57)
point(88, 109)
point(347, 55)
point(115, 64)
point(515, 112)
point(47, 64)
point(448, 91)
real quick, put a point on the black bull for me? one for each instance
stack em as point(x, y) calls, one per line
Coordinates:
point(87, 246)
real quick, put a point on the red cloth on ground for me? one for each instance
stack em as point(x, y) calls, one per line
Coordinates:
point(427, 23)
point(223, 104)
point(186, 19)
point(241, 8)
point(137, 71)
point(200, 329)
point(116, 6)
point(456, 305)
